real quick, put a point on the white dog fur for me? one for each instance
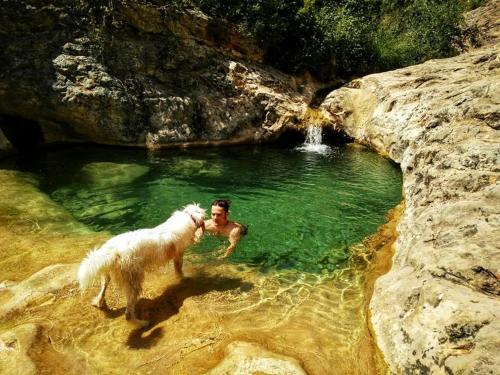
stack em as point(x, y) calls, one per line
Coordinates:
point(124, 257)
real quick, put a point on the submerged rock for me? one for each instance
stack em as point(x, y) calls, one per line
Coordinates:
point(197, 167)
point(244, 358)
point(38, 289)
point(437, 309)
point(36, 232)
point(107, 179)
point(14, 347)
point(107, 174)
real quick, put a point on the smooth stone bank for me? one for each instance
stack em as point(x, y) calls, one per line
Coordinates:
point(437, 310)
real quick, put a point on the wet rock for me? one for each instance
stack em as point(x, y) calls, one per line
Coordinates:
point(14, 347)
point(22, 201)
point(437, 309)
point(247, 358)
point(37, 232)
point(39, 289)
point(106, 174)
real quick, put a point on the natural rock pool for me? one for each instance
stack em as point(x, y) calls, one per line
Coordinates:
point(304, 209)
point(296, 284)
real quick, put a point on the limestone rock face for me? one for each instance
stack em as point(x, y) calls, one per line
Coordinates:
point(485, 20)
point(143, 74)
point(437, 310)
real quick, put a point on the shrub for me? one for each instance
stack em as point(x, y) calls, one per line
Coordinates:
point(345, 37)
point(417, 31)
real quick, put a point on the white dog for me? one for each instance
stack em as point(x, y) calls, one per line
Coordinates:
point(125, 257)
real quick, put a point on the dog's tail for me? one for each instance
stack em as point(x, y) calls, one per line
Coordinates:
point(96, 262)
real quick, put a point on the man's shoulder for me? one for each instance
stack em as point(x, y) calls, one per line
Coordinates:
point(238, 228)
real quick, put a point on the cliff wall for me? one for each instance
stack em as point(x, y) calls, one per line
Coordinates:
point(138, 74)
point(436, 311)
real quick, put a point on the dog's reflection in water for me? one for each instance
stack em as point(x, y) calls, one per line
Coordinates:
point(170, 301)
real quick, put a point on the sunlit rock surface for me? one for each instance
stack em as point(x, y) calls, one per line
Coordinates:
point(139, 73)
point(244, 358)
point(437, 310)
point(485, 23)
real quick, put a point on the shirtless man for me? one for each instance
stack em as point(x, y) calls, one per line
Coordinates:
point(219, 225)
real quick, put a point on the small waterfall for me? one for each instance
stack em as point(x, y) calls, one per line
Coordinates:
point(313, 141)
point(314, 136)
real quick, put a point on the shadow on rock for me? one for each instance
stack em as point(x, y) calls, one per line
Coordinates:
point(169, 302)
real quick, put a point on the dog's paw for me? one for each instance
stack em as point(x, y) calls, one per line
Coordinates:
point(99, 303)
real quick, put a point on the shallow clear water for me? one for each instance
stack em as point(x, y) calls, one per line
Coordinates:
point(303, 209)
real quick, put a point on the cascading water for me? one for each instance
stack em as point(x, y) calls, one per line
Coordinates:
point(313, 142)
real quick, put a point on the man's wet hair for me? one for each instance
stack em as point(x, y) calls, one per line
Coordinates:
point(224, 203)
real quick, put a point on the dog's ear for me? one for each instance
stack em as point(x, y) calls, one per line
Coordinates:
point(195, 209)
point(198, 209)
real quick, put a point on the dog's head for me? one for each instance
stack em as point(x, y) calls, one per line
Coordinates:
point(196, 212)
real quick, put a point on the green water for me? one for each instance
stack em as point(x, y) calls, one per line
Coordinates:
point(303, 209)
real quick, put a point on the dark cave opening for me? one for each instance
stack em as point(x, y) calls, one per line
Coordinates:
point(24, 135)
point(290, 137)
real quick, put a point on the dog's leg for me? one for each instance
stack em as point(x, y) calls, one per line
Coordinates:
point(132, 294)
point(178, 265)
point(131, 301)
point(98, 300)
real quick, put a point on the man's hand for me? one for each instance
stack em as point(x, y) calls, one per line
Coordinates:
point(198, 234)
point(234, 237)
point(219, 253)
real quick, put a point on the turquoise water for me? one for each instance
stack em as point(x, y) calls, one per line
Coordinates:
point(303, 209)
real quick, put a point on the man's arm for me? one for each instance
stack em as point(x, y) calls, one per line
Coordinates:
point(234, 237)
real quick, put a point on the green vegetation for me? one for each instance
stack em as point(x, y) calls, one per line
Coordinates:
point(345, 37)
point(417, 31)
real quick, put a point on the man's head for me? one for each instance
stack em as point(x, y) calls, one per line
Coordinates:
point(220, 210)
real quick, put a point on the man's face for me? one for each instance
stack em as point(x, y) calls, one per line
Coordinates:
point(219, 216)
